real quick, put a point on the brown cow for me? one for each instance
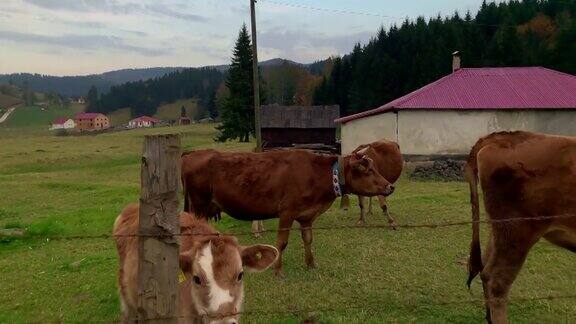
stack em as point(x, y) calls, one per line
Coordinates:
point(522, 175)
point(389, 163)
point(292, 185)
point(212, 265)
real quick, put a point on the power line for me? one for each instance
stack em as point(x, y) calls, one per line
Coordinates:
point(349, 12)
point(363, 13)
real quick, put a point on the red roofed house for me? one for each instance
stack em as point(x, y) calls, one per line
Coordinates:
point(63, 123)
point(91, 121)
point(446, 117)
point(143, 121)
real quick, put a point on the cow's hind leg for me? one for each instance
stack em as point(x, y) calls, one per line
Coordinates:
point(257, 228)
point(509, 251)
point(362, 220)
point(306, 229)
point(485, 257)
point(344, 202)
point(285, 224)
point(255, 231)
point(261, 226)
point(384, 206)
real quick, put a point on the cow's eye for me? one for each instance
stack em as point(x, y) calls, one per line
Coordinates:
point(197, 280)
point(240, 276)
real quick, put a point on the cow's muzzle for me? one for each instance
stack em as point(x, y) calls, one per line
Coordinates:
point(389, 190)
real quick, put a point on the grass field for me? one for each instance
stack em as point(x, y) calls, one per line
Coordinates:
point(172, 111)
point(77, 185)
point(119, 117)
point(34, 118)
point(165, 112)
point(8, 101)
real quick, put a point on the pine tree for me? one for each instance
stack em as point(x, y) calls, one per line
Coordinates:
point(237, 112)
point(92, 99)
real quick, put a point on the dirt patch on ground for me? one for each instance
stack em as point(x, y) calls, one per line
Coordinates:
point(447, 170)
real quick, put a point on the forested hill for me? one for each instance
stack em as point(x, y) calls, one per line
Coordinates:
point(143, 97)
point(75, 86)
point(406, 57)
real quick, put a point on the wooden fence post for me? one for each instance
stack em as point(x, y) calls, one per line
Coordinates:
point(159, 221)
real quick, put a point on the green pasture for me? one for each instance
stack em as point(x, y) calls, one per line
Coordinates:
point(67, 186)
point(34, 118)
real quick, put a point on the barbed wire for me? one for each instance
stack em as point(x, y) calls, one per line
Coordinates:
point(362, 308)
point(313, 228)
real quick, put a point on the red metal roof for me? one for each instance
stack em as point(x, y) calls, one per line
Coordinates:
point(88, 115)
point(60, 121)
point(145, 119)
point(488, 88)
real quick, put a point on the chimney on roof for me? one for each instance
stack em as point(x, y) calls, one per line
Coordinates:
point(455, 61)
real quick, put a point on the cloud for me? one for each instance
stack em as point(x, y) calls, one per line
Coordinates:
point(82, 42)
point(115, 7)
point(85, 5)
point(300, 44)
point(166, 11)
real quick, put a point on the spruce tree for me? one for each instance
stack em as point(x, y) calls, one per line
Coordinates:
point(237, 112)
point(92, 99)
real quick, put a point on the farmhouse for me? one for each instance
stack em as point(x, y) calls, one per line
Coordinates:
point(447, 116)
point(143, 121)
point(63, 123)
point(91, 121)
point(288, 126)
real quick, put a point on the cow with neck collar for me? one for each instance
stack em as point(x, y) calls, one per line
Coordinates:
point(211, 290)
point(292, 185)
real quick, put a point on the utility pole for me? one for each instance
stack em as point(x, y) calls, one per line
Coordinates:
point(255, 78)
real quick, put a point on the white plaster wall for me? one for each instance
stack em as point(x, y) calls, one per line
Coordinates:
point(450, 132)
point(366, 130)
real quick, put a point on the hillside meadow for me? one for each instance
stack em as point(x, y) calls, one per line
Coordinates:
point(64, 186)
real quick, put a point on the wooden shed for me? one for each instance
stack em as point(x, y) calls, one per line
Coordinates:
point(310, 127)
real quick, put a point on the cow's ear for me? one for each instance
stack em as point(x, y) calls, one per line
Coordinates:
point(259, 257)
point(361, 164)
point(185, 260)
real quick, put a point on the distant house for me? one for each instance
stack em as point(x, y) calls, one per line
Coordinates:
point(447, 116)
point(91, 121)
point(143, 121)
point(63, 123)
point(299, 126)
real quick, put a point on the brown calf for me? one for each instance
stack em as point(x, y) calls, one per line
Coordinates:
point(389, 163)
point(522, 175)
point(212, 291)
point(293, 185)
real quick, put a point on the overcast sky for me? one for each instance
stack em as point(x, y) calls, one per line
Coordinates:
point(68, 37)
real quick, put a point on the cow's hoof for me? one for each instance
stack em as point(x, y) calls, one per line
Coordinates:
point(393, 226)
point(256, 235)
point(360, 223)
point(311, 265)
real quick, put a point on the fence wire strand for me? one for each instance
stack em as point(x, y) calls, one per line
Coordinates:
point(313, 228)
point(313, 311)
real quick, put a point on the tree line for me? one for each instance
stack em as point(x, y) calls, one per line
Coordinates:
point(407, 57)
point(144, 97)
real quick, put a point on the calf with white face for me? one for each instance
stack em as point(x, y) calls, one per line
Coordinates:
point(212, 288)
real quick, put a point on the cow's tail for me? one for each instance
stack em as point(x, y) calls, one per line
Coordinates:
point(475, 261)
